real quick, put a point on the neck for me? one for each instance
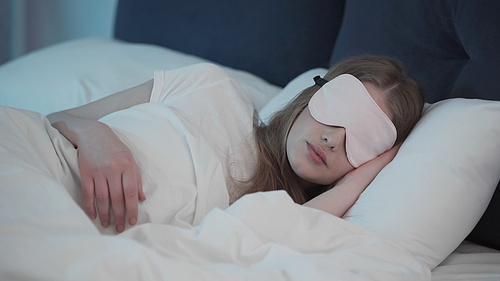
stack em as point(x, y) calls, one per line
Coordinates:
point(305, 184)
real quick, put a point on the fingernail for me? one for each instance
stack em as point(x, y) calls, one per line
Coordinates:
point(105, 224)
point(120, 228)
point(133, 221)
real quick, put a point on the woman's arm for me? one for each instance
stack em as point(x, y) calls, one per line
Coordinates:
point(339, 199)
point(108, 170)
point(112, 103)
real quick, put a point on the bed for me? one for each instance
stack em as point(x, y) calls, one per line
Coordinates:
point(431, 214)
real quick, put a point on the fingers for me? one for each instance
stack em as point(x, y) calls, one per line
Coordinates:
point(125, 190)
point(102, 200)
point(88, 195)
point(142, 196)
point(391, 153)
point(131, 194)
point(116, 184)
point(123, 195)
point(117, 202)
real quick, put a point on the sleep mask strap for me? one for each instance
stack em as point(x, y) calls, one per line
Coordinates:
point(319, 81)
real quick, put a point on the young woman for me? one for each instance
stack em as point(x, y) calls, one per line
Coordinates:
point(330, 135)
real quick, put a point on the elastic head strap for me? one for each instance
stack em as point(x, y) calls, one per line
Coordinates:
point(319, 81)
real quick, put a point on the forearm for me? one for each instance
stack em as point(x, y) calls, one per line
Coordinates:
point(73, 128)
point(112, 103)
point(80, 121)
point(339, 199)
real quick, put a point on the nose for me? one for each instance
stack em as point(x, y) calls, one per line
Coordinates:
point(332, 137)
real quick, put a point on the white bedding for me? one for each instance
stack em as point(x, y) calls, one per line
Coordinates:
point(469, 262)
point(45, 235)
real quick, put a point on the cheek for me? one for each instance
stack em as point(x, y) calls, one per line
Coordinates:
point(345, 168)
point(291, 141)
point(291, 152)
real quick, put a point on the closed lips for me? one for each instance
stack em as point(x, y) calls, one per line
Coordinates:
point(319, 152)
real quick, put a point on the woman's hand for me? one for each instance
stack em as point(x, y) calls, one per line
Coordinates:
point(365, 173)
point(109, 174)
point(108, 171)
point(346, 192)
point(107, 168)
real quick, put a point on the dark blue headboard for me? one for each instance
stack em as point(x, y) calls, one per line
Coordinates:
point(452, 47)
point(276, 40)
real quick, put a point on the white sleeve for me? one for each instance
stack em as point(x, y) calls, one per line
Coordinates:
point(158, 84)
point(207, 100)
point(168, 85)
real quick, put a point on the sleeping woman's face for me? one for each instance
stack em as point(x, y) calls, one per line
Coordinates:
point(317, 152)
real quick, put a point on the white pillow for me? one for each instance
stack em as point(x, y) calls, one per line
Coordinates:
point(291, 90)
point(77, 72)
point(433, 193)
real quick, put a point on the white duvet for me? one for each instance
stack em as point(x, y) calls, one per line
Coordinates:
point(45, 235)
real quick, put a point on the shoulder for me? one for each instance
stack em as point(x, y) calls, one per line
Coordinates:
point(172, 84)
point(210, 69)
point(201, 73)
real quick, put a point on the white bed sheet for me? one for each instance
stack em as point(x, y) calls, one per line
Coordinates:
point(469, 262)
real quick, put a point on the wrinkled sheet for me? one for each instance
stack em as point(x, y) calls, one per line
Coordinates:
point(469, 262)
point(45, 235)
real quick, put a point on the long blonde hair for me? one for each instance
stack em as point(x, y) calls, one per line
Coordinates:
point(404, 97)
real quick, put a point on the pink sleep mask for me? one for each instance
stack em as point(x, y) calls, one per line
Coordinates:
point(345, 102)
